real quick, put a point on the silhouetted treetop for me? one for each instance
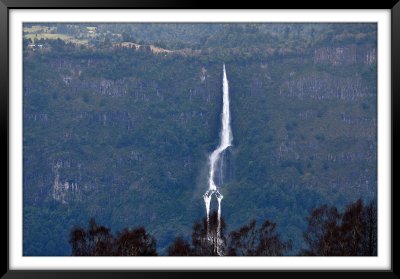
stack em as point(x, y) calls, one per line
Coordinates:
point(97, 240)
point(352, 233)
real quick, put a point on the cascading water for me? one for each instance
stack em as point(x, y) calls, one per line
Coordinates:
point(215, 156)
point(226, 133)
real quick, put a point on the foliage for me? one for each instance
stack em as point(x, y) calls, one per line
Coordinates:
point(252, 241)
point(329, 233)
point(98, 241)
point(180, 247)
point(352, 233)
point(207, 239)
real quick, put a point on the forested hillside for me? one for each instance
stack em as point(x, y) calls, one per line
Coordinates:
point(119, 120)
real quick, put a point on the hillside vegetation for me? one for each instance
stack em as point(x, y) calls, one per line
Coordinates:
point(122, 133)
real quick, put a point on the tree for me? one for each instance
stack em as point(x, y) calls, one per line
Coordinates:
point(312, 33)
point(180, 247)
point(208, 238)
point(353, 233)
point(286, 32)
point(107, 41)
point(26, 42)
point(135, 242)
point(250, 241)
point(126, 37)
point(371, 235)
point(243, 241)
point(359, 229)
point(352, 230)
point(78, 242)
point(269, 243)
point(96, 241)
point(322, 231)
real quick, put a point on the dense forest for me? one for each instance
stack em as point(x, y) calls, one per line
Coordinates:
point(119, 120)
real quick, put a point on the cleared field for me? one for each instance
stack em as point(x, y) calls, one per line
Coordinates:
point(63, 37)
point(38, 29)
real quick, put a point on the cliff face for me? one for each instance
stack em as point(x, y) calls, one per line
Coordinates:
point(346, 55)
point(322, 86)
point(124, 137)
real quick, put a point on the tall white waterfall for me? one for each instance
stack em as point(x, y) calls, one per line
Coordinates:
point(215, 156)
point(226, 134)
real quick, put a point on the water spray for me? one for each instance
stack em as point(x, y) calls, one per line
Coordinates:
point(215, 156)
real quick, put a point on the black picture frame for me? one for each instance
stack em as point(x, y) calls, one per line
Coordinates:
point(7, 5)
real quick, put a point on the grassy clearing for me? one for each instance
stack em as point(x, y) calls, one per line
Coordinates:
point(37, 29)
point(63, 37)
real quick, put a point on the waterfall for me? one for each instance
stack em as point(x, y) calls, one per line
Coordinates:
point(207, 201)
point(215, 156)
point(226, 133)
point(221, 169)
